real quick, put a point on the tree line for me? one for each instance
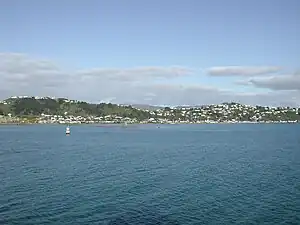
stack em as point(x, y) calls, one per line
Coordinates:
point(32, 107)
point(36, 107)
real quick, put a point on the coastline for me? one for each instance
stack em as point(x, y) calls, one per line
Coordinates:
point(143, 123)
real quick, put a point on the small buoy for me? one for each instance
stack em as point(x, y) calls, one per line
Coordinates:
point(68, 130)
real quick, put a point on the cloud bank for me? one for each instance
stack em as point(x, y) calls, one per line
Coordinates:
point(283, 82)
point(242, 70)
point(21, 74)
point(135, 74)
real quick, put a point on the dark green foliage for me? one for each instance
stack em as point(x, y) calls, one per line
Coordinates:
point(31, 107)
point(1, 111)
point(4, 109)
point(35, 107)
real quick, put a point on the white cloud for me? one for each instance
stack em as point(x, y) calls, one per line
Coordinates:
point(198, 95)
point(22, 75)
point(135, 74)
point(242, 70)
point(271, 98)
point(282, 82)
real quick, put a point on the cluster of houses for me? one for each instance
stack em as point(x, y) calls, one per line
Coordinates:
point(70, 119)
point(231, 112)
point(222, 113)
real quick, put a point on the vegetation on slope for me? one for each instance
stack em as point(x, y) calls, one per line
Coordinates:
point(30, 107)
point(36, 107)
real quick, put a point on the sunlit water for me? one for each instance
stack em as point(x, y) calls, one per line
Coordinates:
point(175, 174)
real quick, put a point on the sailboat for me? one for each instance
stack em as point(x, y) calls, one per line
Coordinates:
point(68, 132)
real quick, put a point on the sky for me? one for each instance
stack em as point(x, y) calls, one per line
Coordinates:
point(167, 52)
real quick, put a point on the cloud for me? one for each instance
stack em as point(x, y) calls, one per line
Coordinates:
point(270, 98)
point(171, 94)
point(23, 75)
point(135, 74)
point(282, 82)
point(242, 70)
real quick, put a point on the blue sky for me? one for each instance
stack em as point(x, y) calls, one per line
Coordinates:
point(194, 34)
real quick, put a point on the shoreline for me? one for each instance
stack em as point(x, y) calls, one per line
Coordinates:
point(157, 124)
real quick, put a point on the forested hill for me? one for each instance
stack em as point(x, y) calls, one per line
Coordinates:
point(60, 106)
point(37, 107)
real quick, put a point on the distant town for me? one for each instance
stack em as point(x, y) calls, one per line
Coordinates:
point(51, 110)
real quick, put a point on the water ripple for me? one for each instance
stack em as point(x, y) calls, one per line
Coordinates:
point(243, 174)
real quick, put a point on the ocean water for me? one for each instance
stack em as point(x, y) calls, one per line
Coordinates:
point(175, 174)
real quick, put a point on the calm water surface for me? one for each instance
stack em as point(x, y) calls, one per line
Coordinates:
point(178, 174)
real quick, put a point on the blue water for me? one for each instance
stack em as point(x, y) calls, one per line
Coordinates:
point(177, 174)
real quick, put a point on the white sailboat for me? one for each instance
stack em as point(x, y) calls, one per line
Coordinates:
point(68, 130)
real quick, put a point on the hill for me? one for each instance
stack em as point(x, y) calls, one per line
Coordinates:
point(49, 109)
point(33, 106)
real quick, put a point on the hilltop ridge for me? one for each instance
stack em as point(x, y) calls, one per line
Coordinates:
point(61, 110)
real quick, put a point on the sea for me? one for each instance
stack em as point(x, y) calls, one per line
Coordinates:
point(145, 174)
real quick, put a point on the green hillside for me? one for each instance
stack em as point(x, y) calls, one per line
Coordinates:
point(35, 107)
